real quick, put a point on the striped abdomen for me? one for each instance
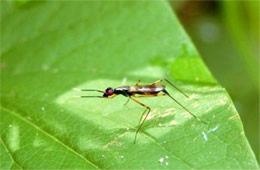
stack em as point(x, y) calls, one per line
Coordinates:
point(146, 89)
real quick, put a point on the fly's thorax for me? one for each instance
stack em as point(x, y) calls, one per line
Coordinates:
point(121, 90)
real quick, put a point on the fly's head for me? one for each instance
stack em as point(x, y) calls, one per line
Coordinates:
point(109, 92)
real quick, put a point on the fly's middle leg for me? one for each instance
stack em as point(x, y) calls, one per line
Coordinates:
point(127, 101)
point(137, 83)
point(145, 117)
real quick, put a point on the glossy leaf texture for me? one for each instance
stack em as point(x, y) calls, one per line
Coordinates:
point(49, 48)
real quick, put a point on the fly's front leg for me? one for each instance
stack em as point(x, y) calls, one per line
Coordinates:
point(111, 97)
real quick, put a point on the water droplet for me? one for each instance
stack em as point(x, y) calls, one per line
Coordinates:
point(122, 156)
point(166, 163)
point(161, 160)
point(43, 108)
point(166, 157)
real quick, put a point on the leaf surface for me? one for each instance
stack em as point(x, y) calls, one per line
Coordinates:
point(49, 48)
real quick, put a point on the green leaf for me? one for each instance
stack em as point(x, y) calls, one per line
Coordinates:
point(49, 48)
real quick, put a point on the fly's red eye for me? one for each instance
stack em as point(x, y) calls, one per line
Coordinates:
point(110, 92)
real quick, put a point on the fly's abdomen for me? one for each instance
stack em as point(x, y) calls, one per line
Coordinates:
point(148, 89)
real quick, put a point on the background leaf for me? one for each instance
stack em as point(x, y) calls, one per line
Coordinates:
point(226, 34)
point(49, 48)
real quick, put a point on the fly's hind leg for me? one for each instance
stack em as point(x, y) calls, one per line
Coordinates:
point(145, 117)
point(166, 93)
point(158, 81)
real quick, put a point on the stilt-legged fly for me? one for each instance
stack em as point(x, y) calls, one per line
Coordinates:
point(138, 91)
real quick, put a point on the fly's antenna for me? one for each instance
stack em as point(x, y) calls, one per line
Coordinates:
point(176, 88)
point(77, 89)
point(92, 96)
point(88, 96)
point(184, 107)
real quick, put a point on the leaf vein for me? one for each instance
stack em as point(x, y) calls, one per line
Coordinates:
point(50, 136)
point(9, 153)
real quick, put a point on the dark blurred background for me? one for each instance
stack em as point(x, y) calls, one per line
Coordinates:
point(226, 33)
